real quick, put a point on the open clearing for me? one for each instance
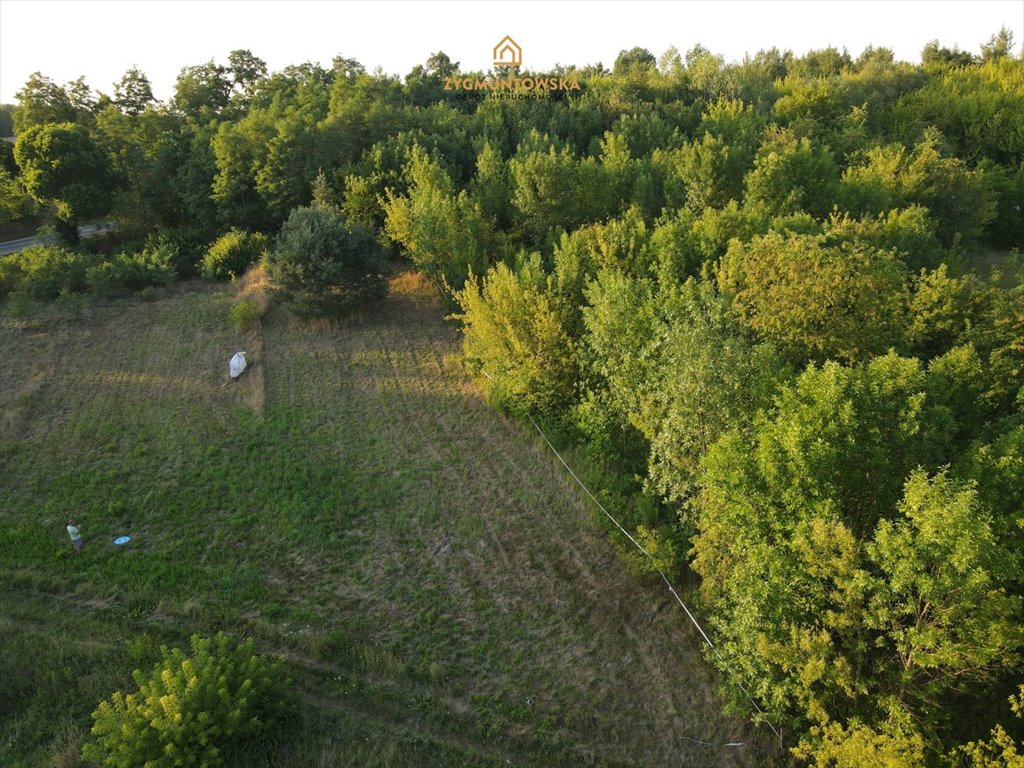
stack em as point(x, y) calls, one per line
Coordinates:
point(438, 587)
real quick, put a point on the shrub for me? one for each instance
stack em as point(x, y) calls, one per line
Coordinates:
point(909, 231)
point(21, 305)
point(71, 303)
point(42, 271)
point(126, 272)
point(243, 314)
point(231, 254)
point(322, 263)
point(189, 710)
point(659, 543)
point(191, 244)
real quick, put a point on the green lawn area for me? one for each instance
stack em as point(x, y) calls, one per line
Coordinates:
point(439, 590)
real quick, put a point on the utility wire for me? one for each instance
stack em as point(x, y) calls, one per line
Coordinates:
point(661, 573)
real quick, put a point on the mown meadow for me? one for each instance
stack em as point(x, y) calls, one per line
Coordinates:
point(438, 589)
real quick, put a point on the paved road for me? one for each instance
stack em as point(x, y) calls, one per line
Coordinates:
point(87, 230)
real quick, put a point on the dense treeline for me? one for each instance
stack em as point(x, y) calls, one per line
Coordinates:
point(776, 304)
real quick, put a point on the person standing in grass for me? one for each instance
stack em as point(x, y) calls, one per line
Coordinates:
point(76, 536)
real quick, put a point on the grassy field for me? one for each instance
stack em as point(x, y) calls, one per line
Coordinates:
point(441, 593)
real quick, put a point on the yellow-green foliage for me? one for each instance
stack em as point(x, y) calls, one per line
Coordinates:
point(41, 271)
point(243, 314)
point(659, 545)
point(189, 707)
point(231, 254)
point(814, 300)
point(512, 333)
point(443, 233)
point(893, 745)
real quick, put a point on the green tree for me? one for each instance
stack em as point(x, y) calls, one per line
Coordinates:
point(708, 174)
point(553, 189)
point(347, 67)
point(815, 300)
point(41, 102)
point(7, 120)
point(910, 232)
point(425, 82)
point(894, 743)
point(712, 166)
point(996, 464)
point(791, 174)
point(323, 264)
point(295, 153)
point(813, 551)
point(939, 601)
point(716, 228)
point(246, 71)
point(934, 55)
point(201, 92)
point(191, 709)
point(15, 203)
point(512, 334)
point(676, 368)
point(442, 233)
point(492, 186)
point(960, 201)
point(62, 167)
point(999, 339)
point(240, 148)
point(677, 249)
point(144, 153)
point(999, 46)
point(819, 63)
point(133, 93)
point(943, 308)
point(635, 58)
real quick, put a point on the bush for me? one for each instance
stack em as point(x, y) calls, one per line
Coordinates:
point(189, 710)
point(659, 543)
point(21, 305)
point(231, 254)
point(909, 231)
point(42, 271)
point(324, 264)
point(191, 244)
point(243, 314)
point(126, 272)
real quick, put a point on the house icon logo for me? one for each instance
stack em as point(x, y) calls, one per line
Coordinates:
point(508, 53)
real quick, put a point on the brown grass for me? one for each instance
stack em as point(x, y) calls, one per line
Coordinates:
point(253, 286)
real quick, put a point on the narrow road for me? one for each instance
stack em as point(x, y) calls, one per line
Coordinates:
point(86, 230)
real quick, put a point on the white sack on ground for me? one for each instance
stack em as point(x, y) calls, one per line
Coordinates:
point(237, 365)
